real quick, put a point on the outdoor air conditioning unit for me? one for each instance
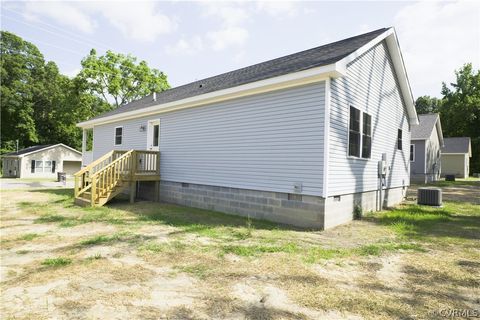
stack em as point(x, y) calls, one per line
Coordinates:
point(429, 196)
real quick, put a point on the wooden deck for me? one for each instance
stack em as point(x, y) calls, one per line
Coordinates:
point(113, 173)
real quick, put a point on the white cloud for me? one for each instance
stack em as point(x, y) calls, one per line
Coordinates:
point(279, 9)
point(231, 36)
point(140, 20)
point(229, 14)
point(436, 38)
point(64, 13)
point(186, 47)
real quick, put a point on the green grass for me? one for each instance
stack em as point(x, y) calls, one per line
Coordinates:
point(155, 247)
point(29, 236)
point(381, 248)
point(116, 237)
point(56, 262)
point(255, 250)
point(454, 222)
point(50, 218)
point(200, 271)
point(316, 254)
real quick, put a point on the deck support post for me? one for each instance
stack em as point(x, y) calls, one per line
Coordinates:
point(133, 182)
point(133, 185)
point(157, 183)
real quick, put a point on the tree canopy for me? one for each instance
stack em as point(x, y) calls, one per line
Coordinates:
point(119, 78)
point(459, 109)
point(39, 105)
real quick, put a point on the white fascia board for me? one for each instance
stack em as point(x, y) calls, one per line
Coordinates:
point(390, 38)
point(438, 126)
point(317, 74)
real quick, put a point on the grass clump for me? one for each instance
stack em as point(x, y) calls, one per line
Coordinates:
point(153, 247)
point(255, 250)
point(49, 218)
point(316, 254)
point(200, 271)
point(56, 262)
point(380, 248)
point(29, 236)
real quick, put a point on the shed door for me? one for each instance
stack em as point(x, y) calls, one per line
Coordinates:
point(153, 137)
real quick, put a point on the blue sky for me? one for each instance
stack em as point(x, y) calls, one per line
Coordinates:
point(194, 40)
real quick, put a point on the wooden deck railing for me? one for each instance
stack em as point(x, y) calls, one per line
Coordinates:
point(105, 177)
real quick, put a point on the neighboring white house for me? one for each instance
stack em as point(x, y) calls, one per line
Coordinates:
point(425, 149)
point(41, 161)
point(306, 139)
point(456, 156)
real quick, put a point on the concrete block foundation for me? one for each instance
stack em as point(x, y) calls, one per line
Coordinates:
point(304, 211)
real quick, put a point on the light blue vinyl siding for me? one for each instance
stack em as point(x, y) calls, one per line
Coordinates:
point(267, 142)
point(370, 85)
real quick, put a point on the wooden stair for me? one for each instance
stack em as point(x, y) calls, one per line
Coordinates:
point(114, 173)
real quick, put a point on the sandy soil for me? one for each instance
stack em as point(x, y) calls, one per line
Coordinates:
point(183, 277)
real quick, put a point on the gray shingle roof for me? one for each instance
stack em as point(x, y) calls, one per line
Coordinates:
point(316, 57)
point(28, 150)
point(457, 145)
point(425, 127)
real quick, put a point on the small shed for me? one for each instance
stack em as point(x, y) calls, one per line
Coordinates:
point(43, 161)
point(456, 156)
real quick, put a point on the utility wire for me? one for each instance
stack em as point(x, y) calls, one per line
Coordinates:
point(82, 40)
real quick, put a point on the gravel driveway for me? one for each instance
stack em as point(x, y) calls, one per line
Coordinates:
point(10, 183)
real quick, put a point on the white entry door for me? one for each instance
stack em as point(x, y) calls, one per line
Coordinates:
point(153, 137)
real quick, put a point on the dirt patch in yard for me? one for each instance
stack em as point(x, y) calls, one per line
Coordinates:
point(151, 261)
point(452, 191)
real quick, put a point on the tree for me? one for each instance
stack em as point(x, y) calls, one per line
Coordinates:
point(119, 78)
point(38, 104)
point(460, 110)
point(427, 104)
point(21, 67)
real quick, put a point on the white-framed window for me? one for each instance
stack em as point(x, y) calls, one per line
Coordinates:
point(38, 166)
point(412, 153)
point(399, 139)
point(118, 135)
point(47, 166)
point(359, 134)
point(354, 140)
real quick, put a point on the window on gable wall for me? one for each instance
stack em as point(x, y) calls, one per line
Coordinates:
point(412, 152)
point(360, 142)
point(354, 133)
point(399, 139)
point(367, 136)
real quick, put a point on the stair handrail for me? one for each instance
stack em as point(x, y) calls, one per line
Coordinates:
point(126, 154)
point(95, 178)
point(94, 163)
point(82, 177)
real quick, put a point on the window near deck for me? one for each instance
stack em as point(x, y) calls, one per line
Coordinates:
point(38, 166)
point(367, 136)
point(118, 135)
point(155, 135)
point(412, 152)
point(399, 139)
point(354, 133)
